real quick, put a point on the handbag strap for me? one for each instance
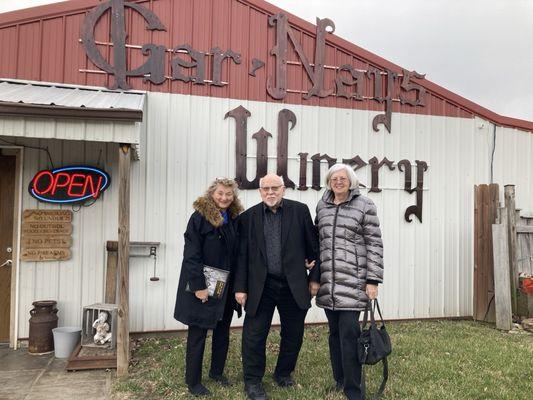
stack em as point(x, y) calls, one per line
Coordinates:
point(376, 306)
point(369, 310)
point(384, 380)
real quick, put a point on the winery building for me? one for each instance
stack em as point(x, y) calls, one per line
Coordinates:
point(193, 90)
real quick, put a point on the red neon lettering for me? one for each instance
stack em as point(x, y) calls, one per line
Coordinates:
point(62, 184)
point(36, 182)
point(89, 180)
point(74, 184)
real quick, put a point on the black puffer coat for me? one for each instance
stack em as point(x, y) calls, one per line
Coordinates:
point(207, 241)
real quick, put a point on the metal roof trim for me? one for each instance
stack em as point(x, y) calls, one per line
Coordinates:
point(53, 100)
point(48, 111)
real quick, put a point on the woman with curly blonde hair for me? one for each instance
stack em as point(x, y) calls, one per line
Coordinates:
point(210, 240)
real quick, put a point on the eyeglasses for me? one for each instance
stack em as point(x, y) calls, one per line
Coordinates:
point(342, 180)
point(267, 189)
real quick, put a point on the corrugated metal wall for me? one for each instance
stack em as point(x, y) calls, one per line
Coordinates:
point(72, 129)
point(428, 266)
point(78, 281)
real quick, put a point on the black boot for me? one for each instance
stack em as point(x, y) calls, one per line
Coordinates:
point(255, 391)
point(224, 381)
point(199, 390)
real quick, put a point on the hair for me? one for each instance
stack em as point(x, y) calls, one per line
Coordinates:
point(280, 178)
point(230, 183)
point(352, 177)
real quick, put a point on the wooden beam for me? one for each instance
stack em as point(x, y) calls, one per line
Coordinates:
point(111, 278)
point(111, 267)
point(524, 229)
point(123, 338)
point(17, 215)
point(502, 289)
point(512, 238)
point(485, 210)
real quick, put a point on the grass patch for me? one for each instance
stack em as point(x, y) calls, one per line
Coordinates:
point(441, 360)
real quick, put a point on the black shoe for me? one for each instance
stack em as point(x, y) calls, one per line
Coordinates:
point(199, 390)
point(255, 391)
point(284, 381)
point(338, 387)
point(221, 379)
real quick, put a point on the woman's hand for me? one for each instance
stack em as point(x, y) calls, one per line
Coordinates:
point(240, 297)
point(202, 295)
point(309, 265)
point(313, 288)
point(371, 291)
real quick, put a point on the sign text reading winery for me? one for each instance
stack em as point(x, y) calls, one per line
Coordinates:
point(286, 122)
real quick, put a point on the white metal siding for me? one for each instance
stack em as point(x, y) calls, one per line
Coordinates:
point(71, 129)
point(428, 266)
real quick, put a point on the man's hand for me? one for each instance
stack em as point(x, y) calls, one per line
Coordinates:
point(309, 265)
point(313, 288)
point(240, 298)
point(202, 295)
point(371, 291)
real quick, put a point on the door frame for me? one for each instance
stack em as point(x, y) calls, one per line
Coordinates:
point(18, 152)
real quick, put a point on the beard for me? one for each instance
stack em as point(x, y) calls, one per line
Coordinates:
point(272, 203)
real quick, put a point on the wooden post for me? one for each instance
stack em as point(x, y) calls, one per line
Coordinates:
point(502, 293)
point(512, 238)
point(485, 214)
point(123, 339)
point(111, 273)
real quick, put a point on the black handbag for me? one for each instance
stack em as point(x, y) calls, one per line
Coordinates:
point(374, 345)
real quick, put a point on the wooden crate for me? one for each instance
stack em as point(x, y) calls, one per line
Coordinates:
point(90, 314)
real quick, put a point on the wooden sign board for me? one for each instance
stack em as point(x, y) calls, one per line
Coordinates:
point(47, 216)
point(46, 228)
point(46, 242)
point(46, 235)
point(45, 255)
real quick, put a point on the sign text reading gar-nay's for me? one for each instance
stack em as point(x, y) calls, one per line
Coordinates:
point(350, 82)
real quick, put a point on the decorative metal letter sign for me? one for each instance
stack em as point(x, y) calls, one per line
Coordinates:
point(280, 51)
point(154, 66)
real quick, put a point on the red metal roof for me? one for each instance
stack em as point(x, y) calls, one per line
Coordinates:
point(42, 43)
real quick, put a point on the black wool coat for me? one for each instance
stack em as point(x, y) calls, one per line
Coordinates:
point(299, 238)
point(209, 242)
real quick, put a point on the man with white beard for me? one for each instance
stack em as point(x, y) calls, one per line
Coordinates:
point(278, 245)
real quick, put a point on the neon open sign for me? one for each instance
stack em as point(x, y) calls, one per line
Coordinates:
point(72, 184)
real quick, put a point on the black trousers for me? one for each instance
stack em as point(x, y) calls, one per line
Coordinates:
point(276, 293)
point(219, 349)
point(343, 334)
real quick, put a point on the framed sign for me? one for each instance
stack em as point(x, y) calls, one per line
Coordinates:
point(72, 184)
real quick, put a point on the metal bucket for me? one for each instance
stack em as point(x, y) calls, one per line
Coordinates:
point(66, 339)
point(43, 319)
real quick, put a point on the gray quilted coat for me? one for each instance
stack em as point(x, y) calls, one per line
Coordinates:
point(351, 251)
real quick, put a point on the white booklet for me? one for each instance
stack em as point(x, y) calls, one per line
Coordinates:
point(215, 280)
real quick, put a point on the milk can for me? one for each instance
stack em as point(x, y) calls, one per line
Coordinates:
point(43, 319)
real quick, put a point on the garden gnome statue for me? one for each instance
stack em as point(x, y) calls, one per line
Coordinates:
point(102, 329)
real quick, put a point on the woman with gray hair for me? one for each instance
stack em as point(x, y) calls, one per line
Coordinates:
point(351, 266)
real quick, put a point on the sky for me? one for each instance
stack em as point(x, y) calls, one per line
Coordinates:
point(479, 49)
